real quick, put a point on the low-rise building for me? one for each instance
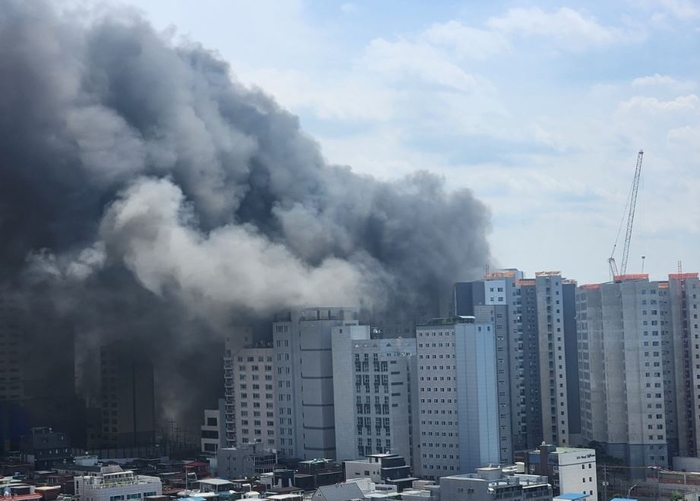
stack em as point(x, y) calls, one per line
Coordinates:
point(569, 469)
point(490, 483)
point(388, 469)
point(44, 447)
point(113, 483)
point(245, 461)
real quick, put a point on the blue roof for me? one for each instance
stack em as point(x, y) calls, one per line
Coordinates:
point(575, 495)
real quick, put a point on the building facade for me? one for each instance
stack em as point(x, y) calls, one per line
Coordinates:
point(127, 397)
point(683, 340)
point(304, 371)
point(373, 389)
point(457, 403)
point(213, 434)
point(490, 484)
point(115, 484)
point(240, 337)
point(535, 328)
point(255, 395)
point(623, 355)
point(569, 469)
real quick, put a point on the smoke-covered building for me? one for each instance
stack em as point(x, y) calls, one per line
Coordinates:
point(44, 448)
point(374, 388)
point(304, 365)
point(127, 397)
point(183, 196)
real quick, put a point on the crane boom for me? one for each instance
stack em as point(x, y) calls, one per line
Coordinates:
point(630, 216)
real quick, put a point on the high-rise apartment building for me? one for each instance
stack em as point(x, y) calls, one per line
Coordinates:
point(304, 372)
point(534, 322)
point(255, 396)
point(684, 341)
point(128, 396)
point(11, 381)
point(373, 388)
point(624, 354)
point(240, 337)
point(457, 402)
point(554, 398)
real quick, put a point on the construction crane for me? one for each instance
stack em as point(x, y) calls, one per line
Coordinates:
point(629, 210)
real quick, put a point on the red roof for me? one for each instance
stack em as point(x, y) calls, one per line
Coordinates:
point(21, 497)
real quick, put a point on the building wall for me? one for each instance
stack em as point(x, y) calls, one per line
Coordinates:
point(477, 396)
point(239, 337)
point(117, 486)
point(626, 322)
point(550, 325)
point(591, 364)
point(497, 316)
point(571, 357)
point(530, 427)
point(456, 396)
point(360, 469)
point(11, 381)
point(684, 343)
point(255, 396)
point(374, 378)
point(577, 472)
point(128, 396)
point(303, 355)
point(213, 430)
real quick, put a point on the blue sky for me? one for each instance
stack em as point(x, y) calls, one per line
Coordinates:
point(538, 107)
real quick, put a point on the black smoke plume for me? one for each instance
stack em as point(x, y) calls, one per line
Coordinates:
point(147, 195)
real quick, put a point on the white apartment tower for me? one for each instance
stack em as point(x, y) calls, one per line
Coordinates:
point(373, 389)
point(304, 372)
point(458, 409)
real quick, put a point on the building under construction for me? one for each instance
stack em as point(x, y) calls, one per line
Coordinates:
point(639, 367)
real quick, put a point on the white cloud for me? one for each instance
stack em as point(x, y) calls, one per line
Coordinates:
point(404, 58)
point(326, 96)
point(653, 105)
point(680, 9)
point(663, 82)
point(566, 27)
point(348, 8)
point(465, 41)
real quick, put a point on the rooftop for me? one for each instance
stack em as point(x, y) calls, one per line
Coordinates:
point(214, 481)
point(449, 321)
point(572, 496)
point(21, 497)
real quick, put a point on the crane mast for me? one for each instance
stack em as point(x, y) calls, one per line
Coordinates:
point(631, 204)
